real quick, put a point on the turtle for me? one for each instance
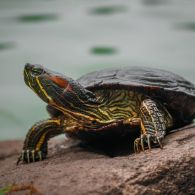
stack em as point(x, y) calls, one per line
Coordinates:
point(105, 102)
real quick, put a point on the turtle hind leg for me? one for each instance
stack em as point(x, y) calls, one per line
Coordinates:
point(153, 125)
point(35, 145)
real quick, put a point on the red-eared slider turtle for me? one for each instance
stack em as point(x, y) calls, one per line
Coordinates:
point(152, 99)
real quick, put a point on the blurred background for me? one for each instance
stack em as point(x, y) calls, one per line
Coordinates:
point(75, 37)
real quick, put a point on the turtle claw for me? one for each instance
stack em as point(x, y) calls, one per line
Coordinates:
point(146, 139)
point(136, 145)
point(159, 142)
point(142, 142)
point(40, 155)
point(19, 159)
point(29, 156)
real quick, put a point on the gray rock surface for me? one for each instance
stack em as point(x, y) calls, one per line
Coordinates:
point(71, 169)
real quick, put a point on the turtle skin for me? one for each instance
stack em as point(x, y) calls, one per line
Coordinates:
point(157, 101)
point(173, 90)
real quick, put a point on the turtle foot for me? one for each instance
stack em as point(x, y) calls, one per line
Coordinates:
point(28, 156)
point(144, 142)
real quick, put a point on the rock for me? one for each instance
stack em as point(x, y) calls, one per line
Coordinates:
point(71, 169)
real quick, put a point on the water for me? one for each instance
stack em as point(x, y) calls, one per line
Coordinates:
point(76, 37)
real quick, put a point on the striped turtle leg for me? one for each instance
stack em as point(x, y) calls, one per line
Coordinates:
point(35, 145)
point(153, 125)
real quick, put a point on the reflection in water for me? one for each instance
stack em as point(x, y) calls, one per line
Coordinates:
point(37, 17)
point(108, 9)
point(80, 42)
point(6, 45)
point(103, 50)
point(186, 26)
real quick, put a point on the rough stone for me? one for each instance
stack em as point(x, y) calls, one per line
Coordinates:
point(72, 169)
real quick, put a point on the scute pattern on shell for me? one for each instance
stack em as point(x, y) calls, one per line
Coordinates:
point(137, 77)
point(165, 86)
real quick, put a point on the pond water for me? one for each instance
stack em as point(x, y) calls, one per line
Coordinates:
point(76, 37)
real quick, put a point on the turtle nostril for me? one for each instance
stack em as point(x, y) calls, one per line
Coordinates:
point(28, 66)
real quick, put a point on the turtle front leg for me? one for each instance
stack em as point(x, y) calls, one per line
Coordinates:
point(153, 125)
point(35, 145)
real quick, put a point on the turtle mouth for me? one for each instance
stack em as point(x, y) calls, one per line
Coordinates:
point(27, 79)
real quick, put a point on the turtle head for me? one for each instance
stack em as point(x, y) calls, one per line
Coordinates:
point(57, 89)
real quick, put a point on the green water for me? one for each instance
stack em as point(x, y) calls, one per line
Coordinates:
point(76, 37)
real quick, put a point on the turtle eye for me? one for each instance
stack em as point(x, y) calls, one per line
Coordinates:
point(36, 71)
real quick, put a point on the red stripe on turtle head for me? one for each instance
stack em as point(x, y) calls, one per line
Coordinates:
point(61, 82)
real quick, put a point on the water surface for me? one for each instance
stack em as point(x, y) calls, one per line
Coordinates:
point(76, 37)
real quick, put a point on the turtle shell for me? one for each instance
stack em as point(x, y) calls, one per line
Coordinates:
point(170, 89)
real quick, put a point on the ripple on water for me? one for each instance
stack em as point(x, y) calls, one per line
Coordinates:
point(103, 50)
point(186, 26)
point(37, 17)
point(6, 45)
point(105, 10)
